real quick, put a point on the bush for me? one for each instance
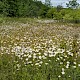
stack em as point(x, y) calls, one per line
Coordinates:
point(51, 13)
point(71, 15)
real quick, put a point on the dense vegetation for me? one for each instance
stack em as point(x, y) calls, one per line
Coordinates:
point(34, 8)
point(20, 8)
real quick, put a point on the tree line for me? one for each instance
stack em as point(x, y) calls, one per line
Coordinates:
point(21, 8)
point(36, 9)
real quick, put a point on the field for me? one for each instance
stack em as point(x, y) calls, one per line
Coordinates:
point(37, 49)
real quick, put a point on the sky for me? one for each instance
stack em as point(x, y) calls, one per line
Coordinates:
point(60, 2)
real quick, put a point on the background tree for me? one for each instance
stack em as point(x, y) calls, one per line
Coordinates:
point(48, 2)
point(59, 7)
point(72, 4)
point(43, 11)
point(22, 8)
point(51, 13)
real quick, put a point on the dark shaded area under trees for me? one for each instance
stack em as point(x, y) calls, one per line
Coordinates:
point(35, 9)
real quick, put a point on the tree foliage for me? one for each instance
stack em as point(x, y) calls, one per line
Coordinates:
point(59, 7)
point(21, 8)
point(35, 8)
point(48, 2)
point(72, 4)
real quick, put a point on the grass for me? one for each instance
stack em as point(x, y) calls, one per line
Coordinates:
point(31, 49)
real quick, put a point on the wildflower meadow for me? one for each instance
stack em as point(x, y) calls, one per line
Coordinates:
point(38, 49)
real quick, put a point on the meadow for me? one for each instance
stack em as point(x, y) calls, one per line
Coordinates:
point(38, 49)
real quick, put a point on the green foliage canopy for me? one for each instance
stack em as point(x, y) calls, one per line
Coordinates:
point(72, 4)
point(34, 8)
point(21, 8)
